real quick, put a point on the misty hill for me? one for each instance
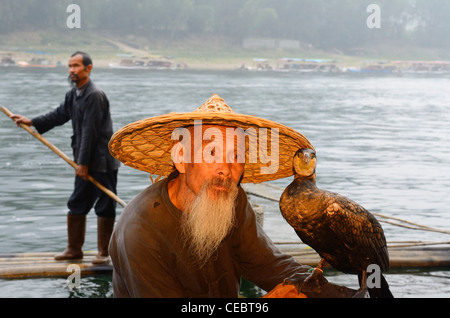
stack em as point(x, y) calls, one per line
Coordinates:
point(406, 29)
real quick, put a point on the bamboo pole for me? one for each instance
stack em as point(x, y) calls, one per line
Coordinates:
point(65, 158)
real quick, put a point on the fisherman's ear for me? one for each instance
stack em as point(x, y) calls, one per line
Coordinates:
point(178, 157)
point(181, 167)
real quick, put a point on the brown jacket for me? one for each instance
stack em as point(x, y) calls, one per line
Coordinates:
point(151, 260)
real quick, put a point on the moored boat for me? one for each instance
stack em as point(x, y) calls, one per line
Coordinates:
point(37, 62)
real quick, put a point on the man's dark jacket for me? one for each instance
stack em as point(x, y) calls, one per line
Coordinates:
point(92, 126)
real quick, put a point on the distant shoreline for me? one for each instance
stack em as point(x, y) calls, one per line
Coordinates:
point(196, 54)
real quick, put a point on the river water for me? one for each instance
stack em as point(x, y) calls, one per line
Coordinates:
point(382, 140)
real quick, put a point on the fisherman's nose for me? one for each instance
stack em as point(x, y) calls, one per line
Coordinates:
point(224, 169)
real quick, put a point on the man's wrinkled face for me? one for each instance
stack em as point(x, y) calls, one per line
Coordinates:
point(210, 212)
point(220, 163)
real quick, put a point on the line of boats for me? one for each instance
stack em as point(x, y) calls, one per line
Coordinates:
point(406, 67)
point(7, 61)
point(146, 63)
point(331, 66)
point(299, 65)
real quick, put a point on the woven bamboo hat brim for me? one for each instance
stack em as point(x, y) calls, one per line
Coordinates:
point(147, 145)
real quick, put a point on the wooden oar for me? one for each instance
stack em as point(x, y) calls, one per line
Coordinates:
point(66, 159)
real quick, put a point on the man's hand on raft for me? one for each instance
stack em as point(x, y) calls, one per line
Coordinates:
point(82, 172)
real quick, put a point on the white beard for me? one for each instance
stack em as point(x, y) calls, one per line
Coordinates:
point(209, 217)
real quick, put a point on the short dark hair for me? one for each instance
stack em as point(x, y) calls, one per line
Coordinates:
point(86, 58)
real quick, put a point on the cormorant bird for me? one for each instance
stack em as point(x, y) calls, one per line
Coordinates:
point(341, 231)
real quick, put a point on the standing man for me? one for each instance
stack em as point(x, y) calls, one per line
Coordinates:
point(88, 108)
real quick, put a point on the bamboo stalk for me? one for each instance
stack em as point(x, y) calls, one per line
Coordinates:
point(65, 158)
point(419, 226)
point(39, 255)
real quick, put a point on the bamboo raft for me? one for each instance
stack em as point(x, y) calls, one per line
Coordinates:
point(403, 255)
point(34, 265)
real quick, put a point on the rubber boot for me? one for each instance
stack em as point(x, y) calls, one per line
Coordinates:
point(105, 228)
point(76, 229)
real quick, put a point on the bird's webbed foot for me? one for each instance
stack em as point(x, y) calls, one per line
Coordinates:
point(360, 293)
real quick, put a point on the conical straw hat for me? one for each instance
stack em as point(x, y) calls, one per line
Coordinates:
point(147, 145)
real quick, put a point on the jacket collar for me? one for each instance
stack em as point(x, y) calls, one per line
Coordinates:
point(80, 91)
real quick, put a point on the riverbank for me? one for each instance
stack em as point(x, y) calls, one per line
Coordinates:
point(208, 53)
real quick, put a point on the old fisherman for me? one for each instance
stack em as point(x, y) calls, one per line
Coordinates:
point(194, 233)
